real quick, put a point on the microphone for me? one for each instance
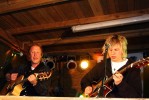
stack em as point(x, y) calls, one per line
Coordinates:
point(17, 53)
point(107, 45)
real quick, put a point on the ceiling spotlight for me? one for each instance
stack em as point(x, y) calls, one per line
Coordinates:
point(49, 62)
point(84, 64)
point(71, 64)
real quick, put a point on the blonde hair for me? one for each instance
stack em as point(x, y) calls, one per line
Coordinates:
point(116, 39)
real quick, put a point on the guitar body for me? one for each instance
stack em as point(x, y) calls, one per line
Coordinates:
point(16, 91)
point(15, 88)
point(106, 90)
point(10, 90)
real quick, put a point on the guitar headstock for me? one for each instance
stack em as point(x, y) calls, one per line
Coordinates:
point(141, 63)
point(44, 75)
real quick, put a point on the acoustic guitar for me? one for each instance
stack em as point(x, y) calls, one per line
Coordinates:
point(15, 87)
point(107, 89)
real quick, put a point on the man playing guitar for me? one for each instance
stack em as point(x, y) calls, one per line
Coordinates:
point(126, 85)
point(33, 86)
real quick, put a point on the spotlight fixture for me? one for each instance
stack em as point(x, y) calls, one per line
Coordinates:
point(71, 63)
point(49, 62)
point(84, 64)
point(84, 61)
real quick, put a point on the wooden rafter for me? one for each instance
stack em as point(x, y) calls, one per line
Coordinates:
point(11, 6)
point(70, 23)
point(5, 39)
point(91, 38)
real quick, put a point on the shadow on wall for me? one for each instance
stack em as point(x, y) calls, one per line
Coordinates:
point(61, 81)
point(66, 82)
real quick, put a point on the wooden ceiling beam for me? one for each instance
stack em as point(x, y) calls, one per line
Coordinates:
point(70, 23)
point(71, 51)
point(94, 47)
point(8, 41)
point(11, 6)
point(91, 38)
point(134, 48)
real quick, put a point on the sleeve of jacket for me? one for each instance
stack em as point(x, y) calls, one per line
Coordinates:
point(132, 87)
point(41, 87)
point(93, 75)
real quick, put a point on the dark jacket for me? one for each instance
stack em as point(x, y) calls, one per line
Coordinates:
point(41, 88)
point(130, 87)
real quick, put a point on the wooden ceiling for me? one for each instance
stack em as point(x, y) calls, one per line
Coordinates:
point(49, 23)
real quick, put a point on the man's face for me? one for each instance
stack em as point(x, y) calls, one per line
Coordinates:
point(115, 53)
point(35, 54)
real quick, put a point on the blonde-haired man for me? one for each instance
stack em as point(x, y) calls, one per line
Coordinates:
point(126, 85)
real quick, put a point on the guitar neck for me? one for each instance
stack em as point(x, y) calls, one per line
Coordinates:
point(19, 81)
point(121, 71)
point(40, 76)
point(22, 81)
point(111, 78)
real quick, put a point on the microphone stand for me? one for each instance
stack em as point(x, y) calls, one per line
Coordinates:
point(101, 91)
